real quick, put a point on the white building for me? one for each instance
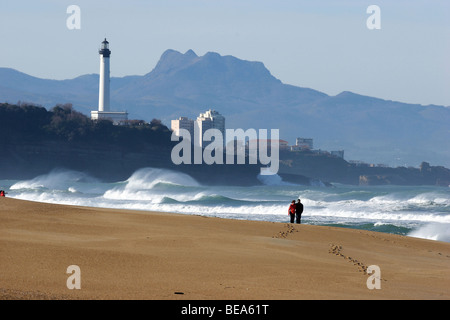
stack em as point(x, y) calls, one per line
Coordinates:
point(338, 153)
point(183, 123)
point(104, 112)
point(304, 143)
point(211, 119)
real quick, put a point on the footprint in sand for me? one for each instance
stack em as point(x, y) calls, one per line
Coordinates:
point(283, 234)
point(337, 250)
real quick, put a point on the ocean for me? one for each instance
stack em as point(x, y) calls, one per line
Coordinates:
point(416, 211)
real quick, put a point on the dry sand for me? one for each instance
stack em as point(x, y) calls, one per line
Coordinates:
point(152, 255)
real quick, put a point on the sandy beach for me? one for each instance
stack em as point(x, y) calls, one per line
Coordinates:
point(125, 254)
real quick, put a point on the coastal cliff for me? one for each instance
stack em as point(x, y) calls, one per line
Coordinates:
point(36, 141)
point(328, 168)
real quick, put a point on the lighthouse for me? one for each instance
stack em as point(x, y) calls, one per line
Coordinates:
point(104, 112)
point(103, 94)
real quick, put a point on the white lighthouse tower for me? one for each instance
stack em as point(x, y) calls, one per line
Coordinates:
point(104, 112)
point(103, 94)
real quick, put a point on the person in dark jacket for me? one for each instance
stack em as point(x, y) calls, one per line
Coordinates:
point(298, 211)
point(291, 211)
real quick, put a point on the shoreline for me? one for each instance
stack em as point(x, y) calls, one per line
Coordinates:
point(134, 254)
point(333, 225)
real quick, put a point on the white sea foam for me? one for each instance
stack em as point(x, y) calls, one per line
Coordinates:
point(147, 178)
point(273, 180)
point(140, 186)
point(433, 231)
point(72, 189)
point(425, 209)
point(58, 179)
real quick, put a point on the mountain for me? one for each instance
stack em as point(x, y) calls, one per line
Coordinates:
point(249, 96)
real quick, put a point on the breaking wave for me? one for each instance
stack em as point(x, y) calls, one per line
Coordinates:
point(414, 211)
point(57, 179)
point(433, 231)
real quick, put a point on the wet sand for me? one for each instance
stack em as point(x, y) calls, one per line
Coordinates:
point(124, 254)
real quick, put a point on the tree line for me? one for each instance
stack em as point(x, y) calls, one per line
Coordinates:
point(24, 122)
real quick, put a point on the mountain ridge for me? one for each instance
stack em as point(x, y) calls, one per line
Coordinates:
point(249, 96)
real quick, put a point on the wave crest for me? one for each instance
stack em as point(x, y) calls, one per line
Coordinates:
point(142, 184)
point(433, 231)
point(57, 179)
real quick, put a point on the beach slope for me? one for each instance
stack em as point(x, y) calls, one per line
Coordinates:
point(123, 254)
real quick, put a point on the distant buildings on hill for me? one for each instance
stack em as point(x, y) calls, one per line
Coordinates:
point(302, 144)
point(212, 119)
point(362, 164)
point(266, 143)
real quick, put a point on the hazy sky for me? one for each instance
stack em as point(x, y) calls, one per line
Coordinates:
point(324, 45)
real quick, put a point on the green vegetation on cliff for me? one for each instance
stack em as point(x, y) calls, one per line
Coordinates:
point(29, 123)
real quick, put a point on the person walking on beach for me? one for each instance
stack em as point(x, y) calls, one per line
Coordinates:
point(298, 211)
point(291, 211)
point(2, 193)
